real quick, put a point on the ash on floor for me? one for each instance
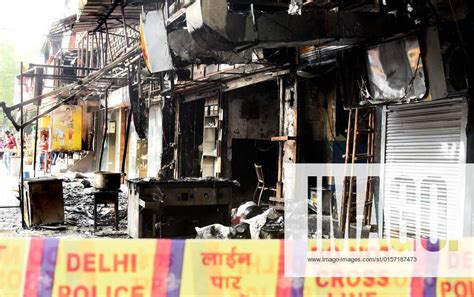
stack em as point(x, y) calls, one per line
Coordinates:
point(79, 206)
point(9, 219)
point(78, 216)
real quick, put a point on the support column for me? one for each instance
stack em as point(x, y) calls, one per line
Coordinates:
point(288, 129)
point(177, 138)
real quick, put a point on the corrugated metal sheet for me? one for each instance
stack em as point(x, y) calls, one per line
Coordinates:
point(432, 133)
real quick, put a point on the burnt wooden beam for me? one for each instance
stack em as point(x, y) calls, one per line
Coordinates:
point(283, 138)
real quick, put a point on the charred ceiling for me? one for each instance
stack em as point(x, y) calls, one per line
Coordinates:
point(186, 50)
point(223, 31)
point(215, 27)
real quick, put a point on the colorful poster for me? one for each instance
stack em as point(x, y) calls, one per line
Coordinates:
point(67, 128)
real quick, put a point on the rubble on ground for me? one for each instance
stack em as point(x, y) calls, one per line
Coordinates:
point(9, 219)
point(79, 205)
point(273, 229)
point(258, 222)
point(215, 231)
point(249, 221)
point(78, 214)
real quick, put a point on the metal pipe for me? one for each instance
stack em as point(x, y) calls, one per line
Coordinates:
point(22, 140)
point(36, 143)
point(38, 91)
point(122, 36)
point(130, 27)
point(129, 119)
point(107, 40)
point(68, 77)
point(105, 128)
point(122, 7)
point(74, 86)
point(91, 139)
point(85, 81)
point(58, 66)
point(127, 132)
point(98, 53)
point(79, 55)
point(55, 72)
point(102, 21)
point(83, 54)
point(87, 59)
point(103, 48)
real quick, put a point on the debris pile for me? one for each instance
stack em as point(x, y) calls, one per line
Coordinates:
point(249, 221)
point(79, 205)
point(10, 219)
point(78, 214)
point(215, 231)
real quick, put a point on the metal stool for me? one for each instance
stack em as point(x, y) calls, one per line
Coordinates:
point(106, 197)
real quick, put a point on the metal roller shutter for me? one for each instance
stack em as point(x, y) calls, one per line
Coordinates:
point(431, 133)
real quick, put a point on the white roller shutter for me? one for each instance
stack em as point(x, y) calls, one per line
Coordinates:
point(432, 133)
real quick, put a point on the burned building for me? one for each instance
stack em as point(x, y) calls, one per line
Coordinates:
point(209, 91)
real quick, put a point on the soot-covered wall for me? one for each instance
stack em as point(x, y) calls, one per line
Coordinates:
point(251, 117)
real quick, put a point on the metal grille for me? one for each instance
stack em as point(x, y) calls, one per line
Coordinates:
point(432, 133)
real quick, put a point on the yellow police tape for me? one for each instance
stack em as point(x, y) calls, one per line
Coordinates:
point(173, 268)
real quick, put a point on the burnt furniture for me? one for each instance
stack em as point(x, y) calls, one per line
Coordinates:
point(43, 201)
point(106, 197)
point(172, 208)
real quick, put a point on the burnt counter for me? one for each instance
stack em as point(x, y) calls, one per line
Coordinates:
point(172, 208)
